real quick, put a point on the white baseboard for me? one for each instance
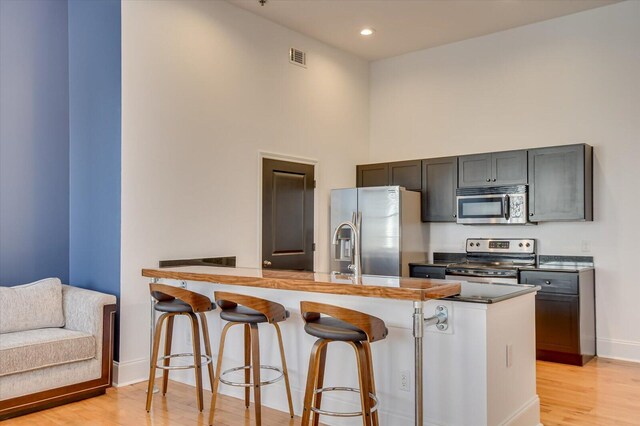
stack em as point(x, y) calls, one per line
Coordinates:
point(131, 372)
point(528, 414)
point(625, 350)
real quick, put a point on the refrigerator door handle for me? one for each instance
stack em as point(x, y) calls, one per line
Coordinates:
point(356, 219)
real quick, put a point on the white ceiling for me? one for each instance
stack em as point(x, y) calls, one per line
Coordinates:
point(406, 25)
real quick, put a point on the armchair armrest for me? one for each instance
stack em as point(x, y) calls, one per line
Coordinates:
point(83, 309)
point(88, 310)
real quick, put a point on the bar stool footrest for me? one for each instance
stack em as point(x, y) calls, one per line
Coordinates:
point(206, 359)
point(250, 384)
point(343, 414)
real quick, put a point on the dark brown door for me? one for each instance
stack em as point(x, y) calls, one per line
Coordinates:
point(287, 215)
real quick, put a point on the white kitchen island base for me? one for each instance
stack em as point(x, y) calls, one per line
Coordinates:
point(480, 371)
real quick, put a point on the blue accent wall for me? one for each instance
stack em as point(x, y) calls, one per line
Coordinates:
point(34, 141)
point(95, 145)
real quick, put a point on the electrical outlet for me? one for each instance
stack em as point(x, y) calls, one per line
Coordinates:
point(585, 246)
point(405, 380)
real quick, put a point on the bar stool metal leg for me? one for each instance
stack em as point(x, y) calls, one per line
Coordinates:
point(285, 372)
point(167, 351)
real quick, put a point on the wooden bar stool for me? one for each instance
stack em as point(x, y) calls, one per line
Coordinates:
point(250, 311)
point(174, 301)
point(358, 330)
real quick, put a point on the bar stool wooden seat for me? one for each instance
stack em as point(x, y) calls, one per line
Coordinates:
point(358, 330)
point(250, 311)
point(172, 301)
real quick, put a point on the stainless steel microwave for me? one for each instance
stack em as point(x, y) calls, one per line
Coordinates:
point(492, 205)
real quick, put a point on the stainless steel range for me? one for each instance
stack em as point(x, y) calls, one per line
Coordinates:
point(493, 260)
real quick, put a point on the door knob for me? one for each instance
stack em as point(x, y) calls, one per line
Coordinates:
point(266, 263)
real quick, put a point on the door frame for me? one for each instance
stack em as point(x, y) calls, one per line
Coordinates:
point(293, 159)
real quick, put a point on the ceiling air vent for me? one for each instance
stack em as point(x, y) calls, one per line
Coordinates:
point(297, 57)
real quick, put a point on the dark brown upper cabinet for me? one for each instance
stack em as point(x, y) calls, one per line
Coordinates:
point(474, 170)
point(493, 169)
point(407, 174)
point(561, 183)
point(372, 175)
point(439, 183)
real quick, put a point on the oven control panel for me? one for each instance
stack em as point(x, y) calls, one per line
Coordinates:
point(507, 245)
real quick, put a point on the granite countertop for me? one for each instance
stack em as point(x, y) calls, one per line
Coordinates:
point(491, 292)
point(558, 268)
point(554, 263)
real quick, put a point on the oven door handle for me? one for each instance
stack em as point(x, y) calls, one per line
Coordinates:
point(505, 206)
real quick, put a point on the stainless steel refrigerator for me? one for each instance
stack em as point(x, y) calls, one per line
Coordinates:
point(391, 233)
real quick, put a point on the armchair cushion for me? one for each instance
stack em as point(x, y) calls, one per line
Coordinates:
point(31, 306)
point(33, 349)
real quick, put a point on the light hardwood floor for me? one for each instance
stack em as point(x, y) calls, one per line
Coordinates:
point(604, 392)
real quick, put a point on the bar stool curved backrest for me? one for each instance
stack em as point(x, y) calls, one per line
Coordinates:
point(166, 293)
point(240, 309)
point(358, 330)
point(373, 327)
point(172, 301)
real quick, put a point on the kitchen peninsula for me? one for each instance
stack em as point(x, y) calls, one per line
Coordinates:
point(483, 359)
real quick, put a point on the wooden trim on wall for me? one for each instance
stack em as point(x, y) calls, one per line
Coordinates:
point(63, 395)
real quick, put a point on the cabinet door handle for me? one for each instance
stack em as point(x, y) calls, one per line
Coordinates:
point(488, 180)
point(266, 263)
point(426, 275)
point(494, 179)
point(455, 215)
point(547, 282)
point(530, 214)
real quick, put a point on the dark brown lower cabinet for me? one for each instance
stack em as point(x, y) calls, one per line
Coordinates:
point(565, 315)
point(424, 271)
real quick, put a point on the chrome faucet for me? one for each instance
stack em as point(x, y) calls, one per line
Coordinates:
point(356, 266)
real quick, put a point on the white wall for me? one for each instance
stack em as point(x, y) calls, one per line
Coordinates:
point(568, 80)
point(206, 86)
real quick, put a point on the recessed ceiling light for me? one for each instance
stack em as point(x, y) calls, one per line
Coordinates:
point(367, 31)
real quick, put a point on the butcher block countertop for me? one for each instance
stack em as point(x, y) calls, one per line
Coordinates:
point(416, 289)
